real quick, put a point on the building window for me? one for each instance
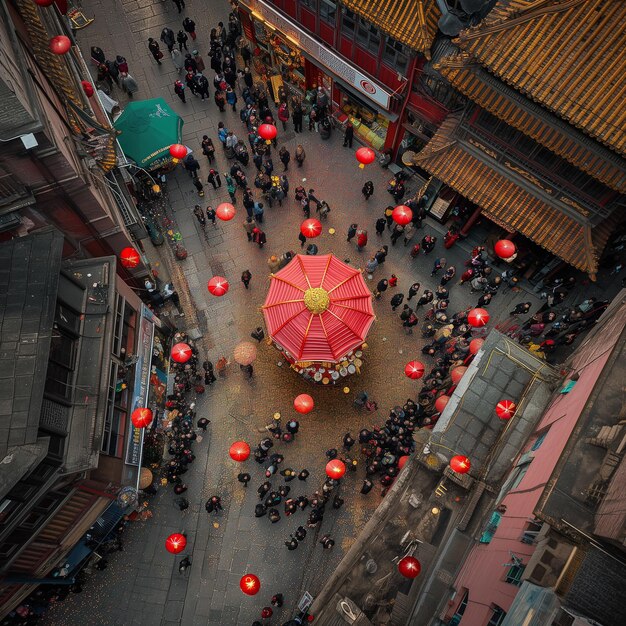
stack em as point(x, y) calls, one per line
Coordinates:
point(116, 413)
point(458, 614)
point(61, 362)
point(311, 4)
point(497, 617)
point(490, 528)
point(348, 23)
point(328, 11)
point(368, 37)
point(395, 55)
point(514, 575)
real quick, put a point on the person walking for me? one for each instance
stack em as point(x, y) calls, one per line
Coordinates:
point(203, 86)
point(352, 232)
point(231, 98)
point(381, 287)
point(368, 189)
point(484, 300)
point(190, 27)
point(348, 136)
point(177, 59)
point(409, 232)
point(438, 265)
point(208, 149)
point(129, 84)
point(300, 155)
point(179, 90)
point(182, 39)
point(283, 114)
point(244, 478)
point(199, 213)
point(168, 38)
point(191, 165)
point(214, 179)
point(297, 118)
point(396, 301)
point(361, 239)
point(448, 275)
point(371, 265)
point(381, 222)
point(249, 225)
point(285, 157)
point(211, 215)
point(258, 211)
point(259, 237)
point(246, 277)
point(396, 233)
point(413, 290)
point(521, 309)
point(155, 50)
point(180, 5)
point(199, 60)
point(230, 186)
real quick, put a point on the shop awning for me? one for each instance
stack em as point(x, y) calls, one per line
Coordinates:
point(508, 204)
point(147, 130)
point(411, 22)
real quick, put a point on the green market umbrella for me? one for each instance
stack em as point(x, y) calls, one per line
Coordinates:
point(147, 130)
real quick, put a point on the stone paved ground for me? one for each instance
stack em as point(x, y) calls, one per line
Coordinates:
point(142, 584)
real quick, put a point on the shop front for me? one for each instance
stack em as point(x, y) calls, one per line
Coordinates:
point(291, 59)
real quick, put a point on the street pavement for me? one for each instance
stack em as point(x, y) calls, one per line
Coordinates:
point(142, 585)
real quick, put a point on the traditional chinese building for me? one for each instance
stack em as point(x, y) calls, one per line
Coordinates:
point(540, 152)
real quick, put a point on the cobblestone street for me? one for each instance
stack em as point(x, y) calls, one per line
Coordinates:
point(142, 584)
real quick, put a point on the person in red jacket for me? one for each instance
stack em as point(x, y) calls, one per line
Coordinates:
point(361, 239)
point(283, 114)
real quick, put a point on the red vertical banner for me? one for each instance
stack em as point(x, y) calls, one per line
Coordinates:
point(246, 24)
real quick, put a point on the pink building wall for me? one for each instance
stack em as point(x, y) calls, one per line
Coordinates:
point(483, 572)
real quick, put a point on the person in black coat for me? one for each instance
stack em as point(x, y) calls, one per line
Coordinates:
point(348, 136)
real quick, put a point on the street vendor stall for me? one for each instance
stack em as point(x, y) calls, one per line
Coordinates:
point(318, 312)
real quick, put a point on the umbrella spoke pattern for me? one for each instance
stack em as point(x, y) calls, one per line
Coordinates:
point(318, 308)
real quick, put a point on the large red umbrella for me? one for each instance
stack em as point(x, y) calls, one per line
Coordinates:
point(318, 308)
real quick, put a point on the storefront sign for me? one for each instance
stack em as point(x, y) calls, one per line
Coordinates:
point(439, 208)
point(142, 377)
point(321, 53)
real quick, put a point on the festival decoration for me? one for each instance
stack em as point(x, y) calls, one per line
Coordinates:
point(267, 132)
point(457, 373)
point(402, 215)
point(181, 353)
point(476, 345)
point(441, 402)
point(175, 543)
point(364, 156)
point(129, 257)
point(87, 88)
point(250, 584)
point(178, 151)
point(311, 228)
point(460, 464)
point(60, 44)
point(402, 461)
point(505, 409)
point(335, 469)
point(225, 211)
point(478, 318)
point(504, 248)
point(303, 403)
point(141, 417)
point(218, 286)
point(409, 567)
point(239, 451)
point(414, 370)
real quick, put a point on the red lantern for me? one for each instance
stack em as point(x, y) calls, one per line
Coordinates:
point(505, 409)
point(409, 567)
point(457, 373)
point(44, 3)
point(414, 370)
point(178, 151)
point(218, 286)
point(365, 156)
point(181, 353)
point(141, 418)
point(460, 464)
point(87, 88)
point(335, 469)
point(303, 403)
point(60, 44)
point(250, 584)
point(504, 248)
point(175, 543)
point(402, 461)
point(402, 215)
point(441, 402)
point(478, 318)
point(225, 211)
point(239, 451)
point(476, 345)
point(129, 257)
point(267, 132)
point(311, 228)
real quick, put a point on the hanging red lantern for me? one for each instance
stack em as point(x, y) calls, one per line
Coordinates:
point(250, 584)
point(225, 211)
point(267, 132)
point(141, 418)
point(504, 248)
point(476, 345)
point(43, 3)
point(218, 286)
point(409, 567)
point(402, 461)
point(311, 228)
point(505, 409)
point(87, 88)
point(178, 151)
point(181, 353)
point(460, 464)
point(303, 403)
point(414, 370)
point(457, 373)
point(175, 543)
point(129, 257)
point(441, 402)
point(364, 156)
point(478, 318)
point(60, 44)
point(402, 215)
point(239, 451)
point(335, 469)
